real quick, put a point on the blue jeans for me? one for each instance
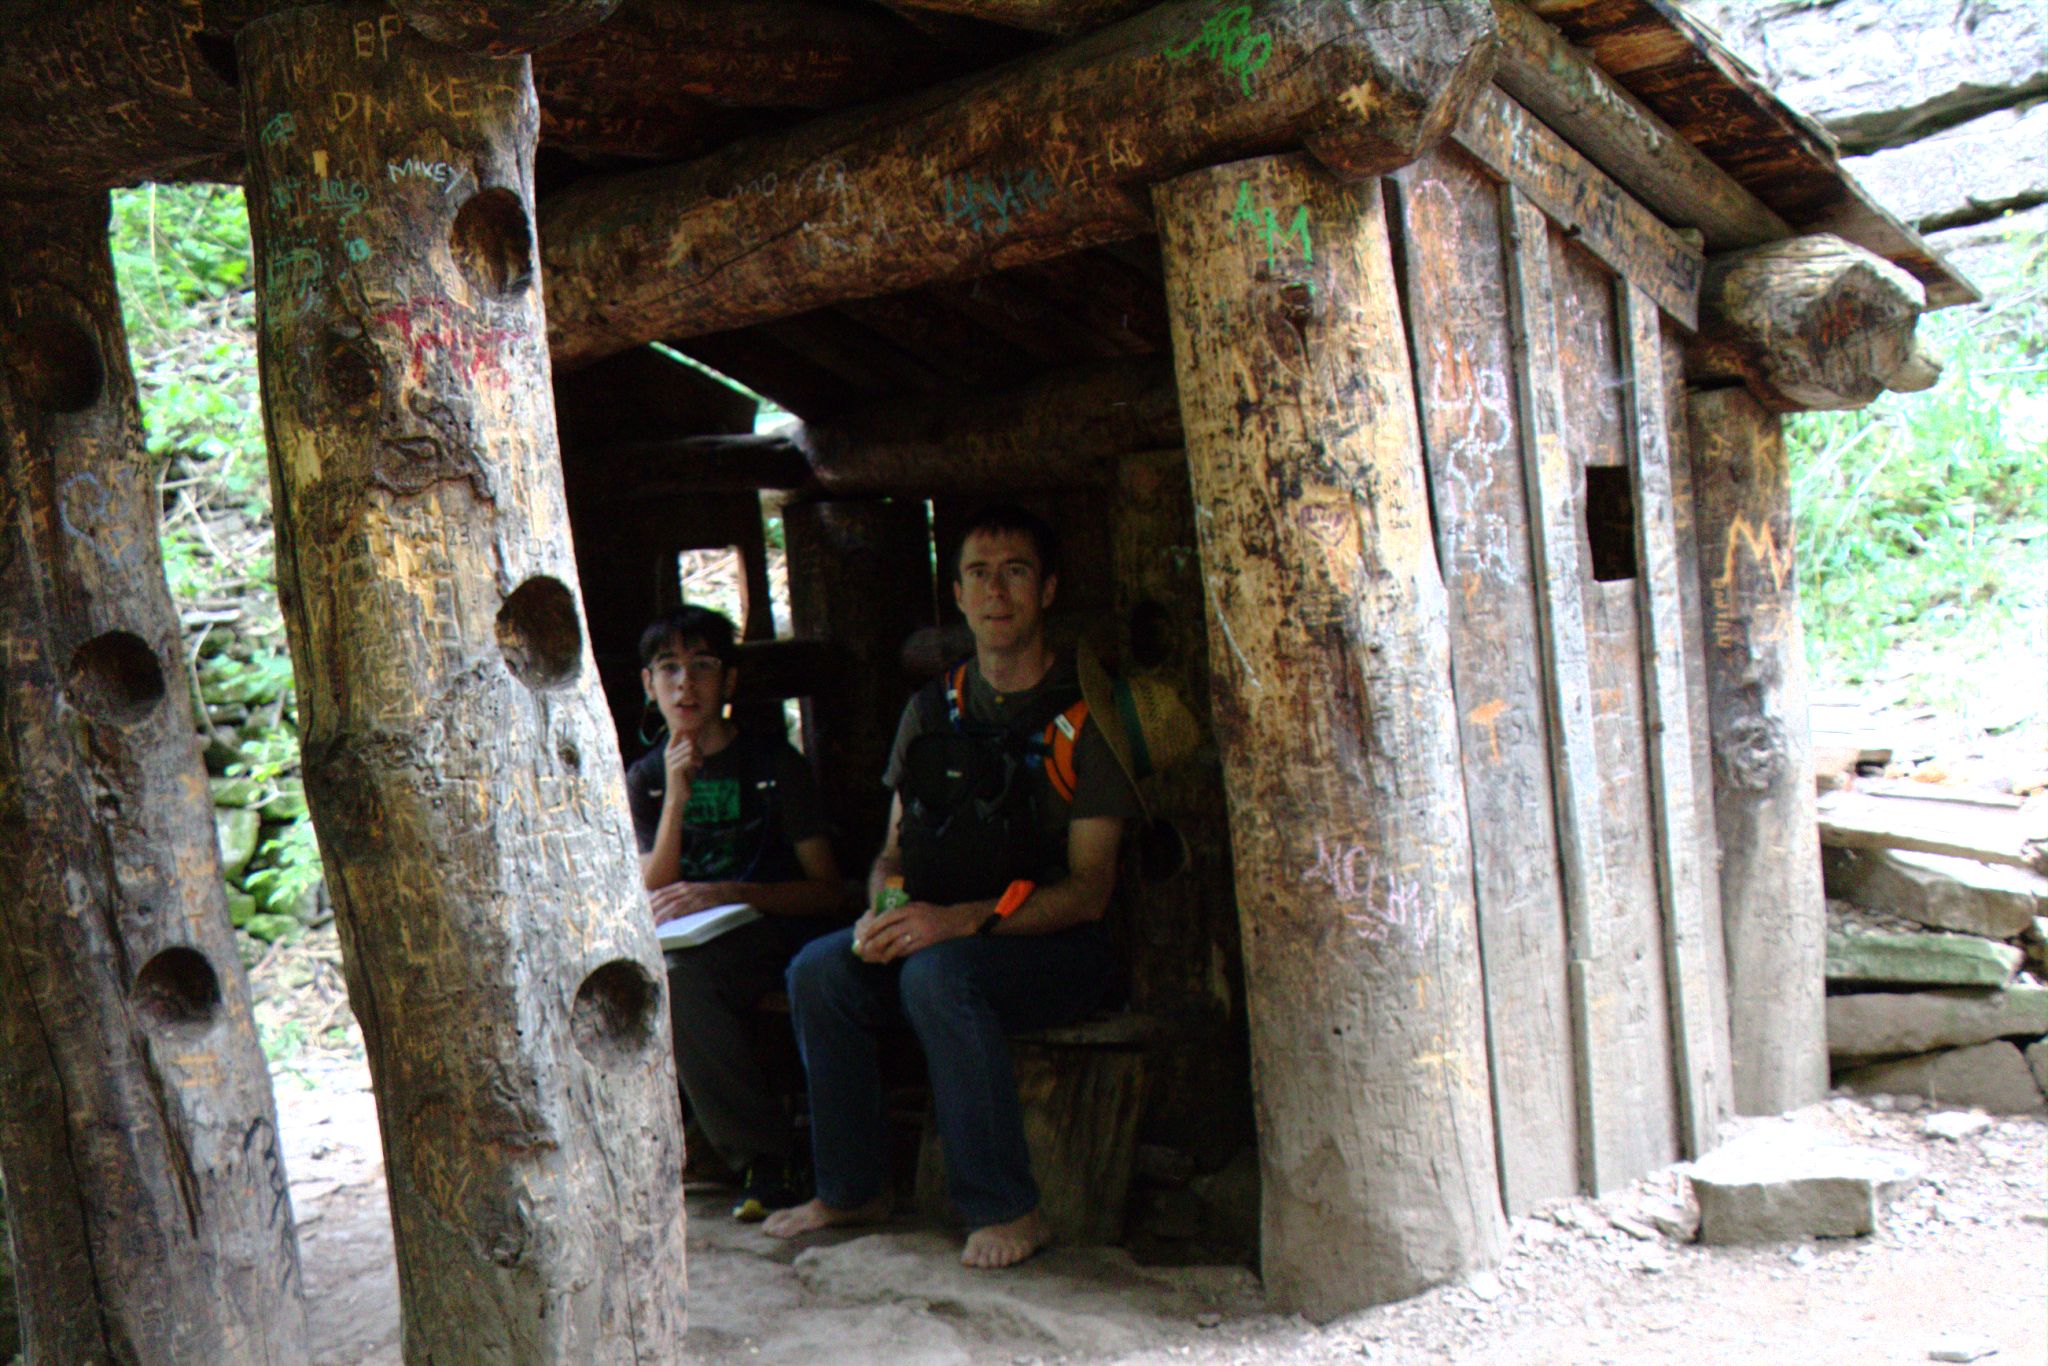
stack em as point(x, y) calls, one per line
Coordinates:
point(962, 999)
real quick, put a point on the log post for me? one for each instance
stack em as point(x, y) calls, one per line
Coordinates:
point(860, 575)
point(1810, 323)
point(1330, 657)
point(148, 1197)
point(1773, 915)
point(461, 770)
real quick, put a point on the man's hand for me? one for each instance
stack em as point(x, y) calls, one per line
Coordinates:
point(684, 898)
point(916, 925)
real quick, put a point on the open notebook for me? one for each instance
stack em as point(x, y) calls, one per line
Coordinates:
point(701, 927)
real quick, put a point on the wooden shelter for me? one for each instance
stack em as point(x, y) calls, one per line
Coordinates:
point(1405, 375)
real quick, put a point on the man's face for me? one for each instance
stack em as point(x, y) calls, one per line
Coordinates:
point(1002, 589)
point(689, 683)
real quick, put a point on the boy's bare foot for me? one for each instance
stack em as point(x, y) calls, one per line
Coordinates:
point(1001, 1245)
point(813, 1215)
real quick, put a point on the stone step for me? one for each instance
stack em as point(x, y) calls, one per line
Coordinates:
point(1993, 1076)
point(1939, 890)
point(1881, 1024)
point(1955, 960)
point(1783, 1181)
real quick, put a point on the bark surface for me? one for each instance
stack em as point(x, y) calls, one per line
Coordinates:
point(150, 1210)
point(1330, 660)
point(462, 772)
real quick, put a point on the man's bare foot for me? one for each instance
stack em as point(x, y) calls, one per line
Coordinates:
point(813, 1215)
point(1001, 1245)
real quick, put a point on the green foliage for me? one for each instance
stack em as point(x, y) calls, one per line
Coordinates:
point(1922, 521)
point(177, 246)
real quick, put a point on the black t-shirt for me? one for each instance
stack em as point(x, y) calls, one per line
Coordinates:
point(750, 805)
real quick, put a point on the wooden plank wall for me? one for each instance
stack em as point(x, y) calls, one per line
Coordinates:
point(1459, 330)
point(1631, 1045)
point(1580, 698)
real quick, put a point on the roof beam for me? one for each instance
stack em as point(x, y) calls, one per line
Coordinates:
point(1043, 157)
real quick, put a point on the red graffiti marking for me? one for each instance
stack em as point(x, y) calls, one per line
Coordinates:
point(434, 330)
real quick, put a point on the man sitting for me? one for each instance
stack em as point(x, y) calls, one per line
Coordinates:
point(727, 816)
point(1008, 810)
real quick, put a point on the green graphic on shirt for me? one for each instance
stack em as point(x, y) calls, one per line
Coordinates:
point(713, 801)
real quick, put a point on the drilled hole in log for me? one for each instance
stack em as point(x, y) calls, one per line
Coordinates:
point(178, 990)
point(58, 363)
point(493, 243)
point(539, 635)
point(613, 1018)
point(218, 52)
point(115, 677)
point(351, 374)
point(572, 759)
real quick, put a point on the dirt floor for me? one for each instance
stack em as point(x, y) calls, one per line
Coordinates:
point(1963, 1256)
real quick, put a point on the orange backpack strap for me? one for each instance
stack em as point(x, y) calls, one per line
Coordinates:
point(1060, 737)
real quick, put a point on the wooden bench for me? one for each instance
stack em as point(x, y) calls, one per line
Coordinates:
point(1081, 1086)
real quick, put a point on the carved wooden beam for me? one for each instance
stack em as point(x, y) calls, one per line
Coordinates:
point(460, 765)
point(1064, 17)
point(1810, 322)
point(502, 28)
point(1618, 133)
point(1044, 157)
point(145, 1182)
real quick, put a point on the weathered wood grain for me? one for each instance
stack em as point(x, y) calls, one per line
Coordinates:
point(502, 28)
point(860, 575)
point(1332, 701)
point(1680, 71)
point(1698, 726)
point(1630, 1015)
point(1044, 157)
point(1457, 312)
point(1617, 133)
point(460, 767)
point(1552, 477)
point(1666, 664)
point(1771, 902)
point(1810, 323)
point(1573, 192)
point(1183, 944)
point(146, 1190)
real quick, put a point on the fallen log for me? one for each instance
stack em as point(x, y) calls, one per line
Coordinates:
point(1042, 158)
point(1810, 323)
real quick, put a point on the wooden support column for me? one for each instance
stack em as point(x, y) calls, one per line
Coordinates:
point(1330, 656)
point(460, 767)
point(146, 1191)
point(860, 575)
point(1773, 915)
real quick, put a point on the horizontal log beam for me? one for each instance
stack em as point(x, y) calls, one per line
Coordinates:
point(1573, 193)
point(677, 467)
point(1061, 429)
point(1618, 133)
point(502, 28)
point(1810, 323)
point(1044, 157)
point(1064, 17)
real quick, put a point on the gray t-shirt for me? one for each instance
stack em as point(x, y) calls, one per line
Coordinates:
point(1100, 787)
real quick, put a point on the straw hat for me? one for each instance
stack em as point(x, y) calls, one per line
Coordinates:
point(1148, 727)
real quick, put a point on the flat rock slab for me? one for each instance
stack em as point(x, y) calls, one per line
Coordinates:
point(1920, 960)
point(1997, 901)
point(2037, 1062)
point(1883, 1024)
point(1992, 1076)
point(1941, 891)
point(1783, 1181)
point(1963, 173)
